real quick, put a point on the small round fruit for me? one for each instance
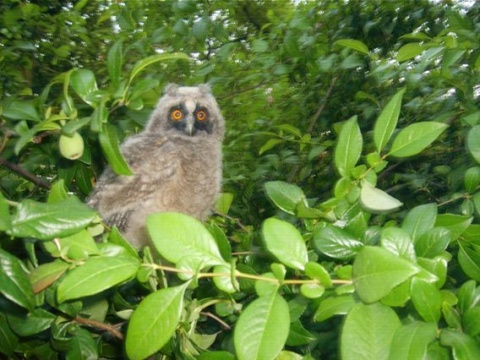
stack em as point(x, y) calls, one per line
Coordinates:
point(71, 147)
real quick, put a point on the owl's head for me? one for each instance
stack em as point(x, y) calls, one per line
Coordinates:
point(190, 111)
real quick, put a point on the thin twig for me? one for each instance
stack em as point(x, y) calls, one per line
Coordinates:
point(216, 318)
point(25, 174)
point(99, 325)
point(322, 106)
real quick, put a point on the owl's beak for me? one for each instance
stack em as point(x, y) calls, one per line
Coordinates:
point(190, 126)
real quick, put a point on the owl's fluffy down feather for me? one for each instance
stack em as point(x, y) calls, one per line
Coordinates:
point(172, 170)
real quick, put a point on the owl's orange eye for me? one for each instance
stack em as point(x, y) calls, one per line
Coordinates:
point(177, 115)
point(201, 115)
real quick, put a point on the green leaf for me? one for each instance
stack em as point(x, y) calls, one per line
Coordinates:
point(377, 201)
point(262, 328)
point(387, 121)
point(298, 336)
point(427, 300)
point(177, 236)
point(419, 220)
point(457, 224)
point(398, 242)
point(409, 51)
point(228, 283)
point(463, 346)
point(109, 143)
point(84, 83)
point(5, 218)
point(468, 295)
point(95, 275)
point(473, 142)
point(21, 110)
point(349, 147)
point(335, 242)
point(368, 332)
point(354, 45)
point(115, 62)
point(411, 341)
point(8, 339)
point(284, 195)
point(433, 243)
point(46, 221)
point(377, 271)
point(154, 322)
point(471, 321)
point(35, 322)
point(46, 274)
point(148, 61)
point(471, 179)
point(14, 283)
point(200, 29)
point(81, 344)
point(285, 242)
point(415, 138)
point(270, 144)
point(469, 262)
point(318, 272)
point(337, 305)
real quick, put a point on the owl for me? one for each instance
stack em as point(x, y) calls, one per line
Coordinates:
point(176, 163)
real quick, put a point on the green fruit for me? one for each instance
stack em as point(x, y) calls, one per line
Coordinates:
point(71, 147)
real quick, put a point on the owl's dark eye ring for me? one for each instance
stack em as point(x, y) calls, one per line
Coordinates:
point(201, 115)
point(176, 115)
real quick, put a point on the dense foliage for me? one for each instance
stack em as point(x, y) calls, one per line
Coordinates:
point(349, 226)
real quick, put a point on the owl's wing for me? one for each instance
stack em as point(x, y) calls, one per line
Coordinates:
point(152, 162)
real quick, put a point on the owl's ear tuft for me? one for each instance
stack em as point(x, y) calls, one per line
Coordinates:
point(171, 89)
point(204, 88)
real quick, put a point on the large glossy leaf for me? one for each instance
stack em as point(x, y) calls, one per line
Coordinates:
point(469, 262)
point(398, 242)
point(46, 221)
point(14, 283)
point(411, 341)
point(154, 321)
point(427, 300)
point(148, 61)
point(415, 138)
point(284, 195)
point(95, 275)
point(110, 145)
point(46, 274)
point(178, 236)
point(285, 242)
point(463, 346)
point(115, 62)
point(337, 305)
point(354, 45)
point(377, 271)
point(375, 200)
point(433, 242)
point(21, 110)
point(473, 142)
point(368, 332)
point(5, 218)
point(8, 338)
point(32, 323)
point(409, 51)
point(349, 147)
point(262, 328)
point(457, 224)
point(84, 83)
point(335, 242)
point(419, 220)
point(387, 121)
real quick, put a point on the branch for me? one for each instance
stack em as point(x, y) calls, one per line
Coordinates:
point(99, 325)
point(25, 174)
point(322, 106)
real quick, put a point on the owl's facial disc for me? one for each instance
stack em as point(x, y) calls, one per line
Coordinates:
point(190, 117)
